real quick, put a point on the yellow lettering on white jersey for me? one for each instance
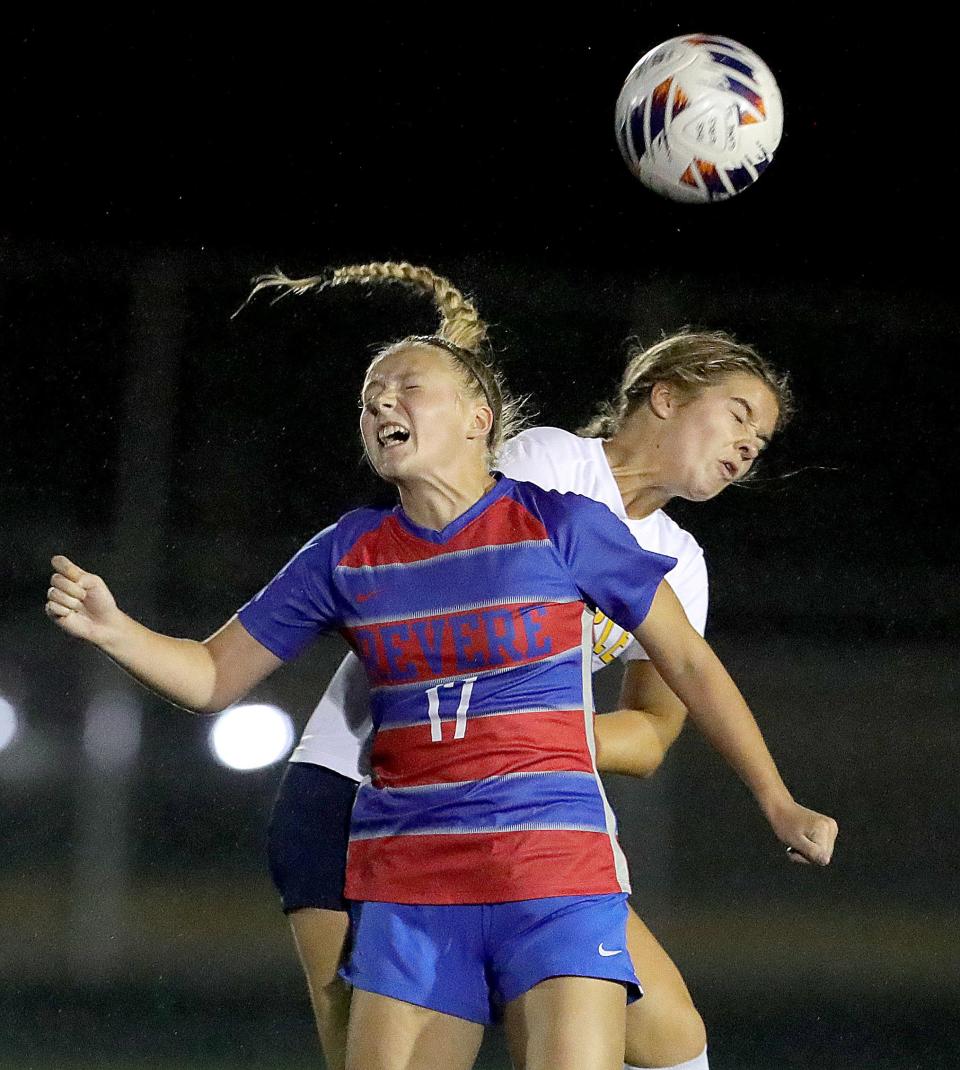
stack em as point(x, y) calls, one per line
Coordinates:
point(609, 640)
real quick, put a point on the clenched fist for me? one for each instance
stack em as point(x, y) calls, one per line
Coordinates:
point(809, 836)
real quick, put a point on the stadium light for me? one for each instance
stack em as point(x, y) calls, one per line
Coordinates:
point(251, 736)
point(8, 723)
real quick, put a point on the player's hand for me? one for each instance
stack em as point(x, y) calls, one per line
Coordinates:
point(81, 603)
point(809, 836)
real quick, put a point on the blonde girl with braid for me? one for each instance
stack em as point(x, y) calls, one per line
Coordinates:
point(483, 865)
point(654, 440)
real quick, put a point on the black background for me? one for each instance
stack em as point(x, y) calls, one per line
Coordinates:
point(151, 165)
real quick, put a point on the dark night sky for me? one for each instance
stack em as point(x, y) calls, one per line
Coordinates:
point(469, 139)
point(434, 135)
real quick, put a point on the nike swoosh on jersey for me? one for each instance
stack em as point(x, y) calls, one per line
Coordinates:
point(606, 954)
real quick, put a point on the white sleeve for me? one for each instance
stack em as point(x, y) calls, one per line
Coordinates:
point(340, 730)
point(690, 585)
point(537, 455)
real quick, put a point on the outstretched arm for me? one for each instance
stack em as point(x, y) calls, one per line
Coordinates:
point(634, 738)
point(201, 676)
point(692, 670)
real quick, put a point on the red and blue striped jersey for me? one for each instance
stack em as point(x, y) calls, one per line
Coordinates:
point(477, 642)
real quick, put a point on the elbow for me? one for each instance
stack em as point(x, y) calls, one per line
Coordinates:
point(627, 743)
point(214, 698)
point(212, 706)
point(216, 692)
point(650, 762)
point(642, 761)
point(197, 707)
point(207, 709)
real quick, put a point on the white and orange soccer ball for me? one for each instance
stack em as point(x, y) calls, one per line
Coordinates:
point(699, 118)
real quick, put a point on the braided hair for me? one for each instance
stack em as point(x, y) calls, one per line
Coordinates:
point(461, 332)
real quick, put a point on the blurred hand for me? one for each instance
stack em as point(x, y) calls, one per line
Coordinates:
point(81, 603)
point(809, 836)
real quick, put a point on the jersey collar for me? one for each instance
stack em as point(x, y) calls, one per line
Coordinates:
point(501, 487)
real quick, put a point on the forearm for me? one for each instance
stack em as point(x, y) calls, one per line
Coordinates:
point(181, 670)
point(205, 677)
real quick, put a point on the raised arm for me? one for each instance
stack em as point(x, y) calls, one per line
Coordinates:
point(696, 675)
point(635, 737)
point(204, 677)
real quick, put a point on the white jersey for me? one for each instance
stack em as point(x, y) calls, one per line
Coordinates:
point(338, 732)
point(557, 460)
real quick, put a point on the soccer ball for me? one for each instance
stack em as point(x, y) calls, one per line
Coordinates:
point(699, 118)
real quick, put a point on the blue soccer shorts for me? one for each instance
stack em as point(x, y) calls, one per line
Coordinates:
point(469, 961)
